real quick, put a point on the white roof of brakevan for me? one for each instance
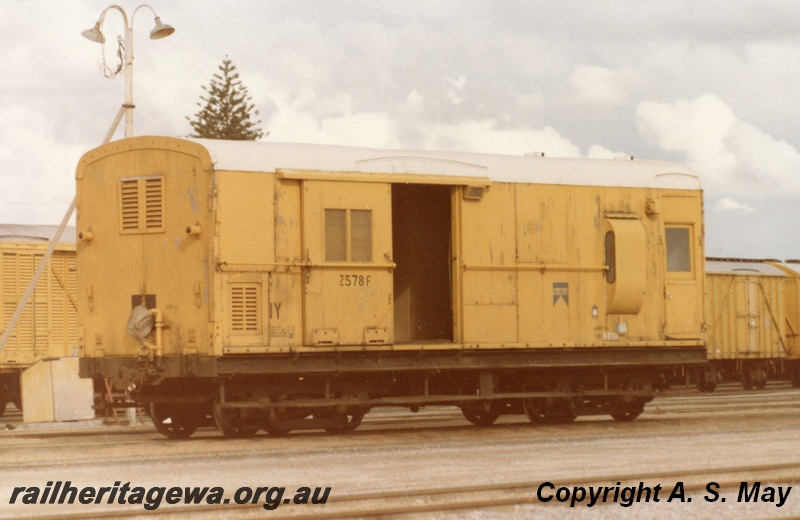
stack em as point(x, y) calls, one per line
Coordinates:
point(265, 156)
point(742, 267)
point(34, 233)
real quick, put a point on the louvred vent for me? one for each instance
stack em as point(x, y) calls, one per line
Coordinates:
point(244, 308)
point(142, 205)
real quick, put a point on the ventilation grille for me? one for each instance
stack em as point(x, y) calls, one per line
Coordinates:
point(17, 272)
point(154, 204)
point(245, 309)
point(142, 204)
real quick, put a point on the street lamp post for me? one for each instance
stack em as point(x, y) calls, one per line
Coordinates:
point(96, 35)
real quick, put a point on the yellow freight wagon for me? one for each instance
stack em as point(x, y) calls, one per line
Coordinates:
point(286, 286)
point(746, 317)
point(48, 325)
point(792, 313)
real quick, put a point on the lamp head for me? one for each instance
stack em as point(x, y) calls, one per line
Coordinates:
point(161, 30)
point(94, 34)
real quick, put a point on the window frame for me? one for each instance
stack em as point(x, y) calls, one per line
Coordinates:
point(688, 258)
point(350, 238)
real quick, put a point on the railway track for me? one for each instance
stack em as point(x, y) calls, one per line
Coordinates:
point(400, 461)
point(145, 448)
point(771, 402)
point(499, 496)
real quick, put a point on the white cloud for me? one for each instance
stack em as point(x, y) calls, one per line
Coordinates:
point(597, 151)
point(458, 95)
point(40, 185)
point(484, 136)
point(601, 85)
point(376, 130)
point(728, 204)
point(733, 156)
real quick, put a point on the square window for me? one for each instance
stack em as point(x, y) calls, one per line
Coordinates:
point(348, 235)
point(679, 250)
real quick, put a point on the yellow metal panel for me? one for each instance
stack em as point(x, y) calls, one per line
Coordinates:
point(542, 224)
point(489, 293)
point(246, 313)
point(683, 290)
point(626, 294)
point(348, 296)
point(172, 268)
point(246, 217)
point(286, 281)
point(490, 323)
point(489, 227)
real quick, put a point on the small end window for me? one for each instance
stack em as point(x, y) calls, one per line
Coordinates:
point(679, 249)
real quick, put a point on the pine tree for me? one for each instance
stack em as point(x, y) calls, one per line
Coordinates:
point(226, 112)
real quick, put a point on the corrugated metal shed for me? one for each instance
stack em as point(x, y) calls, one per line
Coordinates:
point(34, 233)
point(741, 266)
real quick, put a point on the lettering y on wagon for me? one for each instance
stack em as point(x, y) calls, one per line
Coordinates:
point(281, 287)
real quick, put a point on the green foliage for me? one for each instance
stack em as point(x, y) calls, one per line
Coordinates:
point(226, 111)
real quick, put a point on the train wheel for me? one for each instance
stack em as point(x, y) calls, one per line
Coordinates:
point(350, 416)
point(231, 421)
point(707, 379)
point(638, 383)
point(171, 422)
point(747, 377)
point(760, 379)
point(794, 374)
point(534, 409)
point(629, 407)
point(560, 410)
point(480, 414)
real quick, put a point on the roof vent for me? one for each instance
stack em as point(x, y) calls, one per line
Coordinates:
point(534, 154)
point(623, 157)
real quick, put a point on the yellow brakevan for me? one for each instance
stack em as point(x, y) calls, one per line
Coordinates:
point(284, 286)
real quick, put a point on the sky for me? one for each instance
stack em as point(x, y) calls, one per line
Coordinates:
point(710, 84)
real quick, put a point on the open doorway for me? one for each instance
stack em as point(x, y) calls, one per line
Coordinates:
point(421, 232)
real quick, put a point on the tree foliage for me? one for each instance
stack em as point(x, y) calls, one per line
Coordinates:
point(225, 110)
